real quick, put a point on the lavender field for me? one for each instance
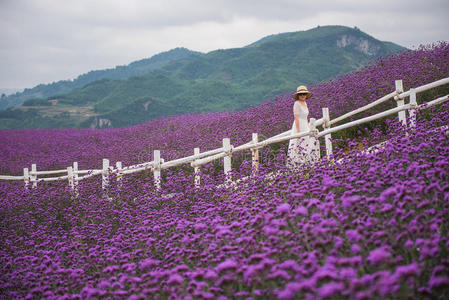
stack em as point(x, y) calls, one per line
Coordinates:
point(359, 226)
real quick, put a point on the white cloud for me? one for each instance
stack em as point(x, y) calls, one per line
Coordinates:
point(49, 40)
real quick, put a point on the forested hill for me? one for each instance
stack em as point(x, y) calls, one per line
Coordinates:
point(44, 91)
point(219, 80)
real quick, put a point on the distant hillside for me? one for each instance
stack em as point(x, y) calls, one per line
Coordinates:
point(44, 91)
point(8, 91)
point(219, 80)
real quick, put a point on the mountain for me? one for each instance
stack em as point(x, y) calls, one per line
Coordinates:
point(219, 80)
point(44, 91)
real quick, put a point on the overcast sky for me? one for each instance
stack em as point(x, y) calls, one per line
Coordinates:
point(42, 41)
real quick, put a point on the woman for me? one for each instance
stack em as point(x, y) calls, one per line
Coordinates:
point(299, 149)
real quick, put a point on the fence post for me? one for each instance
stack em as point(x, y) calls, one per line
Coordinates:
point(75, 176)
point(26, 177)
point(196, 151)
point(412, 111)
point(157, 169)
point(105, 174)
point(255, 154)
point(71, 179)
point(118, 165)
point(314, 143)
point(400, 102)
point(327, 137)
point(33, 175)
point(227, 159)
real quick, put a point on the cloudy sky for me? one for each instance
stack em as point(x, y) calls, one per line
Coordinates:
point(42, 41)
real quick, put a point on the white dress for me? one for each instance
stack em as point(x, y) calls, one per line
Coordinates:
point(303, 150)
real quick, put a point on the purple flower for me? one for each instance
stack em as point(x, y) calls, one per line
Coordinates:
point(348, 201)
point(325, 273)
point(223, 231)
point(290, 264)
point(353, 235)
point(330, 289)
point(407, 271)
point(283, 208)
point(355, 248)
point(290, 291)
point(378, 256)
point(312, 202)
point(148, 263)
point(286, 294)
point(301, 210)
point(387, 194)
point(408, 244)
point(439, 281)
point(338, 242)
point(104, 284)
point(227, 264)
point(175, 279)
point(90, 292)
point(210, 275)
point(199, 227)
point(207, 295)
point(348, 273)
point(270, 230)
point(279, 274)
point(329, 181)
point(249, 273)
point(386, 208)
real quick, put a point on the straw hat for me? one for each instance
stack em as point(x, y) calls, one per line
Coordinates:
point(302, 89)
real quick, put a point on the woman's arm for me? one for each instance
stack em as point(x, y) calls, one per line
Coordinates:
point(297, 122)
point(296, 110)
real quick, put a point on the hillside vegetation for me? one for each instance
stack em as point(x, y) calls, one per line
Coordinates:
point(358, 226)
point(221, 80)
point(44, 91)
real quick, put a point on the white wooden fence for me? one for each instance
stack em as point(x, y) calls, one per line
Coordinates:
point(74, 175)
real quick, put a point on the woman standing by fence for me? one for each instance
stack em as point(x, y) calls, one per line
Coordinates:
point(300, 150)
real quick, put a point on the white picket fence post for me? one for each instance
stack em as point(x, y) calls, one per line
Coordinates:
point(227, 159)
point(118, 165)
point(255, 154)
point(327, 137)
point(26, 177)
point(196, 151)
point(71, 178)
point(400, 102)
point(33, 175)
point(105, 174)
point(75, 176)
point(72, 174)
point(412, 111)
point(157, 169)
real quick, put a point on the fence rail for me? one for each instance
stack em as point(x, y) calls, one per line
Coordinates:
point(200, 158)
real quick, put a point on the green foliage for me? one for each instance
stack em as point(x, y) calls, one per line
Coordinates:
point(14, 118)
point(136, 112)
point(89, 94)
point(37, 102)
point(45, 91)
point(126, 92)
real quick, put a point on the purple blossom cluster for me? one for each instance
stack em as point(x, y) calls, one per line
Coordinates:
point(357, 226)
